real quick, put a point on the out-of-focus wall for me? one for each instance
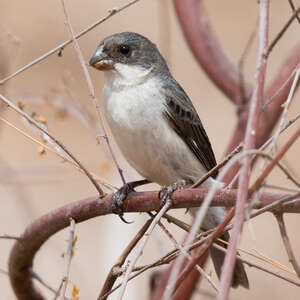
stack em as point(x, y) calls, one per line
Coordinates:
point(32, 185)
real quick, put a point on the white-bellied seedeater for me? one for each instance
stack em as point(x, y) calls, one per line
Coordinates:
point(155, 124)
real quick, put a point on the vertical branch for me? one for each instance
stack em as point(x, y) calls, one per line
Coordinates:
point(207, 50)
point(285, 106)
point(287, 243)
point(68, 257)
point(112, 276)
point(143, 242)
point(255, 105)
point(91, 88)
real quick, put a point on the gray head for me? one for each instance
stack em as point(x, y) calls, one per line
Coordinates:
point(128, 48)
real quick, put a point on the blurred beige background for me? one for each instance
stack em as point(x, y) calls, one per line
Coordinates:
point(31, 185)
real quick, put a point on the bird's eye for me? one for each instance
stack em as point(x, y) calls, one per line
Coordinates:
point(124, 49)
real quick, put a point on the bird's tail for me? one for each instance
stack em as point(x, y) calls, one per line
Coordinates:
point(239, 274)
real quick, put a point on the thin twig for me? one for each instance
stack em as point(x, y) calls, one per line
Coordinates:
point(251, 264)
point(281, 188)
point(281, 167)
point(101, 180)
point(280, 89)
point(142, 245)
point(9, 237)
point(278, 156)
point(91, 89)
point(174, 253)
point(2, 271)
point(241, 66)
point(188, 256)
point(58, 290)
point(113, 275)
point(293, 9)
point(60, 47)
point(218, 166)
point(287, 243)
point(41, 281)
point(275, 205)
point(55, 140)
point(68, 257)
point(281, 32)
point(263, 258)
point(285, 106)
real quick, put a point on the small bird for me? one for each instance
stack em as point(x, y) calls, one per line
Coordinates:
point(156, 125)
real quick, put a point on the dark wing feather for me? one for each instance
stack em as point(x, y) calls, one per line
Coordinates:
point(184, 119)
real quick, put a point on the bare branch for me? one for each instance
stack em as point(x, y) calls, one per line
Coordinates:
point(255, 105)
point(92, 90)
point(293, 9)
point(57, 142)
point(101, 180)
point(287, 243)
point(281, 32)
point(41, 281)
point(9, 237)
point(218, 166)
point(278, 156)
point(251, 264)
point(37, 233)
point(278, 90)
point(142, 245)
point(60, 47)
point(206, 48)
point(112, 275)
point(68, 257)
point(285, 106)
point(188, 256)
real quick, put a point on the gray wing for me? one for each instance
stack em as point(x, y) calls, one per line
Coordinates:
point(183, 118)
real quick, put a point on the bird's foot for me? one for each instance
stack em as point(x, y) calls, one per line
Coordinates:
point(167, 191)
point(120, 195)
point(118, 199)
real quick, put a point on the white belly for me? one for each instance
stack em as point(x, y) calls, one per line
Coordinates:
point(135, 117)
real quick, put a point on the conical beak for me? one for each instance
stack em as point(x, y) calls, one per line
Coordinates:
point(100, 60)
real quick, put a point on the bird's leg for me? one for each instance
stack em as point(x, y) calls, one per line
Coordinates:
point(121, 194)
point(167, 191)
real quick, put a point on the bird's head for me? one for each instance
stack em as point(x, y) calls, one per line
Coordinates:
point(126, 49)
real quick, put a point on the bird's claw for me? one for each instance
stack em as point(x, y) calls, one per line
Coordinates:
point(118, 200)
point(167, 191)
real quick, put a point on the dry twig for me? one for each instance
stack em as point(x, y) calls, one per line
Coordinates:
point(60, 47)
point(142, 245)
point(255, 105)
point(287, 243)
point(92, 90)
point(68, 257)
point(55, 140)
point(113, 274)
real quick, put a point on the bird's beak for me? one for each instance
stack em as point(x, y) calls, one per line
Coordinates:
point(100, 60)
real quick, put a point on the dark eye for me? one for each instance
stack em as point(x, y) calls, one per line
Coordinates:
point(124, 49)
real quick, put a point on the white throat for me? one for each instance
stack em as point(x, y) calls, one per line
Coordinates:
point(125, 75)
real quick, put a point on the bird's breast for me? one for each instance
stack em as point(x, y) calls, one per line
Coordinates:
point(151, 146)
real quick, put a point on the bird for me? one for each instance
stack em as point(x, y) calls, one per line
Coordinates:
point(156, 126)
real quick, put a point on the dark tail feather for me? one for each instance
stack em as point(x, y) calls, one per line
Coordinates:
point(239, 275)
